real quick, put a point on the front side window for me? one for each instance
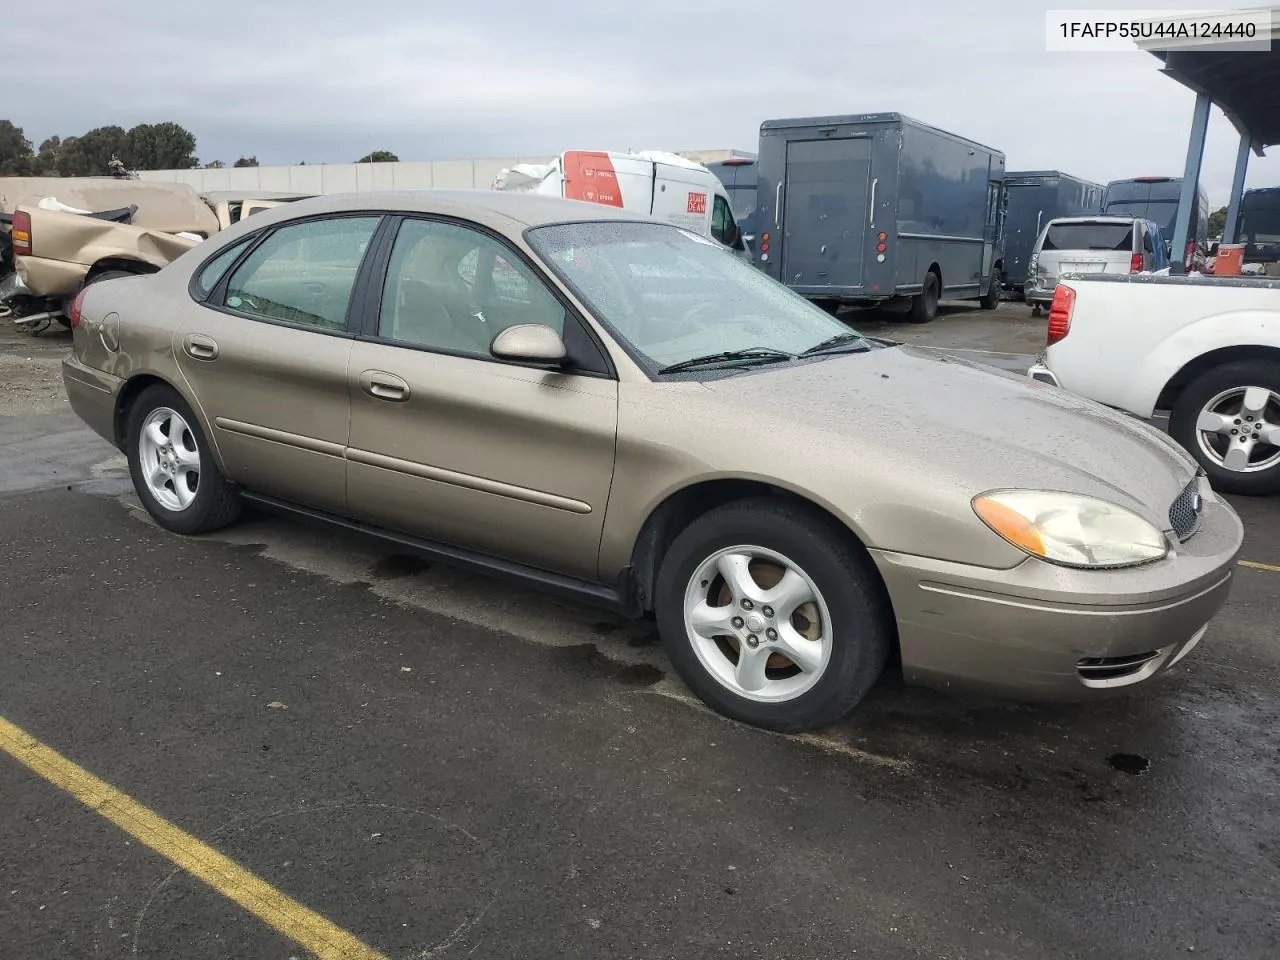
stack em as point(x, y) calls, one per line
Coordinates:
point(722, 223)
point(674, 296)
point(303, 273)
point(453, 288)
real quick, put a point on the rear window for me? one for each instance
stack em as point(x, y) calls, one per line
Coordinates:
point(1089, 236)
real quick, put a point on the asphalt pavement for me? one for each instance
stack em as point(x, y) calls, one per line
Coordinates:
point(443, 766)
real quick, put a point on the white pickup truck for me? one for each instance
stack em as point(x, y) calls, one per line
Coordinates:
point(1206, 349)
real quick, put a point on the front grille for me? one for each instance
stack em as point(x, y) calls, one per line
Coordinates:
point(1185, 513)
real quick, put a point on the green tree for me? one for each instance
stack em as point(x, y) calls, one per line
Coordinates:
point(90, 155)
point(379, 156)
point(246, 162)
point(160, 146)
point(16, 158)
point(1217, 222)
point(46, 162)
point(214, 165)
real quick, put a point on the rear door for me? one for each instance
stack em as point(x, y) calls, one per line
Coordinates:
point(266, 351)
point(824, 207)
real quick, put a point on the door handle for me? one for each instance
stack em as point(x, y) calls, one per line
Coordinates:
point(384, 386)
point(200, 348)
point(871, 217)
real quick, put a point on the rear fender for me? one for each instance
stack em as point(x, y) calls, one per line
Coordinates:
point(1214, 332)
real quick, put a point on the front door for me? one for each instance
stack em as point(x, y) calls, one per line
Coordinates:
point(455, 446)
point(825, 203)
point(266, 357)
point(993, 228)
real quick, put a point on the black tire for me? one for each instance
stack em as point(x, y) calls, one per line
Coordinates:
point(216, 502)
point(1186, 411)
point(1036, 310)
point(991, 299)
point(862, 625)
point(924, 306)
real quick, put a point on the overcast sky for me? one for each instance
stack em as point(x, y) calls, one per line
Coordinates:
point(330, 80)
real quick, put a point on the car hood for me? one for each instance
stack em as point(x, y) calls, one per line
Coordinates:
point(965, 425)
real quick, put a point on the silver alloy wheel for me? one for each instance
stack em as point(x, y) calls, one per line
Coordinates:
point(758, 624)
point(1239, 429)
point(169, 458)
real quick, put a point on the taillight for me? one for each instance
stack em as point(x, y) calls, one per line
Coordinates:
point(1064, 301)
point(21, 233)
point(1135, 263)
point(76, 306)
point(764, 243)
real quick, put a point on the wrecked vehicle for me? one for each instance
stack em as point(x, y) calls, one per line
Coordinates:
point(58, 235)
point(64, 233)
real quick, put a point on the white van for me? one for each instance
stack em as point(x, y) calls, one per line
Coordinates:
point(661, 185)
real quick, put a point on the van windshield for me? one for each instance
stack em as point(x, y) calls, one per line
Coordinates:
point(1163, 212)
point(1089, 236)
point(674, 296)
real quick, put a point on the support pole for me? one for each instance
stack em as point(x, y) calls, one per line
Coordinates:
point(1190, 181)
point(1232, 230)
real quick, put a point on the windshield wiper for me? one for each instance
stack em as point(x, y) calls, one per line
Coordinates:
point(758, 354)
point(855, 342)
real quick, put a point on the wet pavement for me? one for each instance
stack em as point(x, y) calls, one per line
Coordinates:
point(446, 767)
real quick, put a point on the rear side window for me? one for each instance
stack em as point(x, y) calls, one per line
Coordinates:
point(215, 268)
point(303, 273)
point(1089, 236)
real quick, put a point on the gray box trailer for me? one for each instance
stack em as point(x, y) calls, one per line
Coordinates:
point(1034, 198)
point(880, 209)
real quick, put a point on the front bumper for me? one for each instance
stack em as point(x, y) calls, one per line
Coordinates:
point(1043, 632)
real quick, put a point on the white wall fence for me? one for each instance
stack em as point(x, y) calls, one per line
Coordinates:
point(324, 178)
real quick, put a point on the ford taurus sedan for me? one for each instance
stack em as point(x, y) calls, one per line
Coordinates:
point(620, 411)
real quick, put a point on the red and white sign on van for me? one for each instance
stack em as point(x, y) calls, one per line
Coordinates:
point(697, 203)
point(589, 175)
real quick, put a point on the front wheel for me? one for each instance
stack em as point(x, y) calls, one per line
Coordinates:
point(172, 466)
point(770, 617)
point(1228, 418)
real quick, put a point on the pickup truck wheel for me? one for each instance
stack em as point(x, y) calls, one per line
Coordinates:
point(1228, 418)
point(770, 617)
point(991, 299)
point(924, 306)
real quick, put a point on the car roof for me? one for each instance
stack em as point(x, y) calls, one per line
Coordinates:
point(1098, 219)
point(496, 208)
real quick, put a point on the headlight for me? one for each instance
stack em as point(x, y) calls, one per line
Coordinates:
point(1071, 530)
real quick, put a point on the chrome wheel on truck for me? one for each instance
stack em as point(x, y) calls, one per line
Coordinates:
point(1229, 420)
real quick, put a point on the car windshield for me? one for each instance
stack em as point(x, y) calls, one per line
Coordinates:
point(674, 296)
point(1089, 236)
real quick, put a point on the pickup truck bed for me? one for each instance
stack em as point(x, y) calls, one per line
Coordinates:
point(1206, 349)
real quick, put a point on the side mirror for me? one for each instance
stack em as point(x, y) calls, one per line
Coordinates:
point(529, 343)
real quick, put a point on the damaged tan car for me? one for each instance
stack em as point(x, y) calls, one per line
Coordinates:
point(57, 235)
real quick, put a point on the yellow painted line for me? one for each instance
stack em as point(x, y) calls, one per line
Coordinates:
point(1255, 565)
point(306, 928)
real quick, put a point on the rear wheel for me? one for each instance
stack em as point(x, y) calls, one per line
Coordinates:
point(991, 299)
point(1228, 418)
point(924, 306)
point(770, 617)
point(1036, 309)
point(172, 466)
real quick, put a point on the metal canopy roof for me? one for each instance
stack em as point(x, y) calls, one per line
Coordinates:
point(1245, 84)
